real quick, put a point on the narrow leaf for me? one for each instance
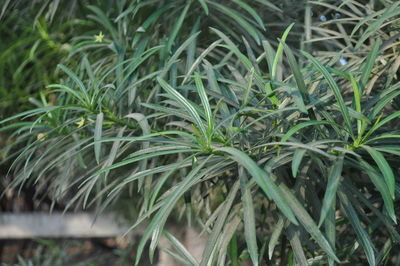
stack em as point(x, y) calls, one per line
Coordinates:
point(384, 166)
point(335, 89)
point(248, 218)
point(297, 127)
point(362, 235)
point(263, 180)
point(97, 136)
point(297, 157)
point(331, 188)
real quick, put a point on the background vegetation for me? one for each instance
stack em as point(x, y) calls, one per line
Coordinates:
point(271, 125)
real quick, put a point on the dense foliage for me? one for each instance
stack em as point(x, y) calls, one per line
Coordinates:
point(272, 125)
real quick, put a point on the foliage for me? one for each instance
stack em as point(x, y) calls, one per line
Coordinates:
point(193, 108)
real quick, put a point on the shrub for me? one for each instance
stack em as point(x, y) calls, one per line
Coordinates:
point(257, 142)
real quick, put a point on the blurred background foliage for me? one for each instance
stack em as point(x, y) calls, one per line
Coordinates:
point(200, 109)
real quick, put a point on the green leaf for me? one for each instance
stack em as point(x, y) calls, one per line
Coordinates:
point(293, 234)
point(237, 17)
point(330, 228)
point(227, 243)
point(209, 251)
point(357, 101)
point(97, 136)
point(251, 11)
point(204, 6)
point(75, 78)
point(185, 104)
point(263, 180)
point(177, 26)
point(375, 26)
point(331, 188)
point(247, 63)
point(306, 220)
point(270, 5)
point(159, 219)
point(381, 123)
point(297, 157)
point(206, 105)
point(152, 18)
point(384, 136)
point(275, 236)
point(379, 214)
point(103, 19)
point(248, 218)
point(384, 166)
point(381, 186)
point(384, 101)
point(269, 53)
point(199, 60)
point(182, 250)
point(335, 89)
point(301, 86)
point(297, 127)
point(280, 50)
point(369, 63)
point(362, 235)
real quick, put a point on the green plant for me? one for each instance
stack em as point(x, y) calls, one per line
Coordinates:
point(258, 144)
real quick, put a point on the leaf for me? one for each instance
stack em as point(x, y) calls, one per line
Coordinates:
point(374, 27)
point(335, 89)
point(209, 251)
point(362, 235)
point(251, 11)
point(177, 26)
point(293, 234)
point(379, 214)
point(247, 63)
point(238, 18)
point(97, 136)
point(269, 54)
point(383, 136)
point(330, 228)
point(179, 247)
point(5, 5)
point(381, 186)
point(384, 100)
point(297, 157)
point(331, 188)
point(206, 105)
point(114, 149)
point(199, 59)
point(75, 78)
point(159, 219)
point(280, 50)
point(191, 49)
point(381, 123)
point(152, 18)
point(185, 104)
point(301, 86)
point(275, 236)
point(227, 242)
point(300, 126)
point(357, 101)
point(263, 180)
point(384, 166)
point(306, 220)
point(270, 5)
point(248, 218)
point(369, 63)
point(103, 19)
point(204, 6)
